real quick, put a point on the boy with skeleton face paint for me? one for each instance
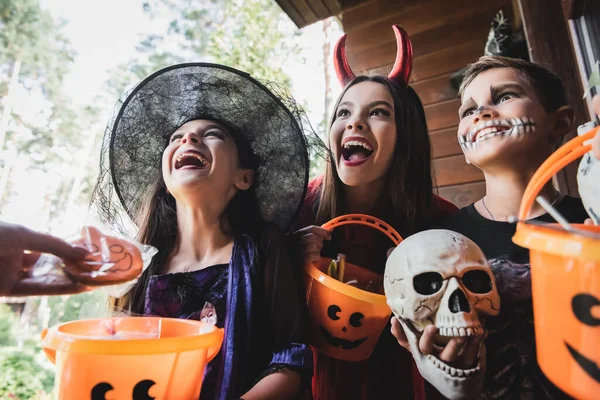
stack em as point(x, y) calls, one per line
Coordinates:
point(513, 115)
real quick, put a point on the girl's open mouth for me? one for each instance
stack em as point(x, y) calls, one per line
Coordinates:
point(356, 152)
point(191, 160)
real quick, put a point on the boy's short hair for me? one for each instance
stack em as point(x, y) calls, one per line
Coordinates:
point(549, 87)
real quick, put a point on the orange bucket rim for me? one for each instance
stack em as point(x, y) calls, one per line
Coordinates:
point(343, 288)
point(554, 240)
point(54, 339)
point(354, 219)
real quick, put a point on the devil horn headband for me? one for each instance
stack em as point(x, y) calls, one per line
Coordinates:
point(402, 66)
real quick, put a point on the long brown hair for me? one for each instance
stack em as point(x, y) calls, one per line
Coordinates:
point(408, 184)
point(157, 222)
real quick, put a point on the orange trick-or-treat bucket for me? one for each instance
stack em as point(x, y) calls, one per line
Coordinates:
point(131, 357)
point(346, 321)
point(565, 273)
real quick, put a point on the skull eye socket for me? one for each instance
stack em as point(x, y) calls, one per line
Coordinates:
point(356, 319)
point(428, 283)
point(477, 281)
point(332, 311)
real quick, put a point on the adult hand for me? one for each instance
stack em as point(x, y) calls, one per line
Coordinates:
point(15, 240)
point(458, 352)
point(311, 241)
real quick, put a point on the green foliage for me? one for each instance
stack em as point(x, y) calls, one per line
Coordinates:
point(23, 376)
point(71, 308)
point(25, 373)
point(254, 36)
point(30, 35)
point(7, 321)
point(193, 21)
point(54, 136)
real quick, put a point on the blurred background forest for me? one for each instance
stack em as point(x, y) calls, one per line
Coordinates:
point(63, 65)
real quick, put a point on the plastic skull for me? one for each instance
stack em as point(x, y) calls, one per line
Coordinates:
point(441, 277)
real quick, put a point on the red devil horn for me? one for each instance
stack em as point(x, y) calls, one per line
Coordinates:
point(404, 56)
point(340, 62)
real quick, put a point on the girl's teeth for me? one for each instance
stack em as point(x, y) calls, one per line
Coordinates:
point(357, 143)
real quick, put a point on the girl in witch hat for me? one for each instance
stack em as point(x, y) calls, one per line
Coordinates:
point(212, 166)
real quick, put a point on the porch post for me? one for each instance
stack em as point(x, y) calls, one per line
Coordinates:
point(550, 43)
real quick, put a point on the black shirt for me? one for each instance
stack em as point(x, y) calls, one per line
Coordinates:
point(495, 237)
point(512, 369)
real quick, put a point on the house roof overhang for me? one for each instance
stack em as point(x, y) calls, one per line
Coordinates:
point(307, 12)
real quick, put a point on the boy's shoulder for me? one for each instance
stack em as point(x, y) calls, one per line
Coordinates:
point(495, 237)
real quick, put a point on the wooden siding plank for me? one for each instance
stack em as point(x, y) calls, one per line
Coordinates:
point(307, 13)
point(432, 65)
point(288, 7)
point(435, 90)
point(333, 6)
point(454, 171)
point(319, 9)
point(428, 41)
point(442, 115)
point(374, 10)
point(448, 60)
point(427, 16)
point(444, 142)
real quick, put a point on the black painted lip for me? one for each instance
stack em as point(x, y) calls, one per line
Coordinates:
point(589, 366)
point(343, 343)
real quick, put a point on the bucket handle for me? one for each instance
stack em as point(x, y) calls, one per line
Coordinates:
point(562, 157)
point(51, 354)
point(362, 219)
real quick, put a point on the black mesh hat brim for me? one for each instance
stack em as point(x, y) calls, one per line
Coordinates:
point(141, 124)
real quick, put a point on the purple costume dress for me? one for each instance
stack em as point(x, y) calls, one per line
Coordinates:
point(259, 303)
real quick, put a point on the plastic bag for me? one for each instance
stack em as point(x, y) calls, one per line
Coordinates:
point(208, 316)
point(127, 327)
point(114, 262)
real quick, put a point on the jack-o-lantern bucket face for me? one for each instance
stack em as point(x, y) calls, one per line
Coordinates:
point(565, 278)
point(565, 272)
point(145, 358)
point(346, 321)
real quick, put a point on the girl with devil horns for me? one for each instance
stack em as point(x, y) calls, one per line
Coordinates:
point(381, 166)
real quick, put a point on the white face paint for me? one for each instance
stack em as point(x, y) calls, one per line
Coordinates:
point(441, 277)
point(485, 130)
point(503, 122)
point(588, 180)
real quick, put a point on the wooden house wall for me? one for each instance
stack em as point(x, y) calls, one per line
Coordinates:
point(446, 36)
